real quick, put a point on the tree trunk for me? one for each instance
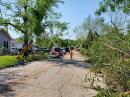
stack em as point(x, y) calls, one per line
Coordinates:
point(25, 19)
point(26, 37)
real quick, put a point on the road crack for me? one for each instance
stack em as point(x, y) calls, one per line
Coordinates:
point(65, 83)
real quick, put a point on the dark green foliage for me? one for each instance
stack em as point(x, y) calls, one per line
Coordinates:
point(84, 51)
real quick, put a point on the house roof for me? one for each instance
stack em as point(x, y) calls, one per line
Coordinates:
point(6, 33)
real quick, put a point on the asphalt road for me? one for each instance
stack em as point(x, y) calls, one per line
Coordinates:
point(47, 78)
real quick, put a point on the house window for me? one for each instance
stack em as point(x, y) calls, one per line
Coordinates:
point(5, 44)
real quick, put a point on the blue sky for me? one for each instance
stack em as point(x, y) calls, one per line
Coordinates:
point(74, 12)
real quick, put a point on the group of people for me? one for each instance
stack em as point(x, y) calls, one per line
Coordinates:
point(23, 53)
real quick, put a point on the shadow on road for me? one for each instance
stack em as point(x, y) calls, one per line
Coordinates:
point(67, 62)
point(5, 90)
point(5, 86)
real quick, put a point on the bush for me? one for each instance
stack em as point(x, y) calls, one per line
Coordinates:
point(109, 55)
point(29, 58)
point(103, 93)
point(84, 51)
point(39, 56)
point(107, 93)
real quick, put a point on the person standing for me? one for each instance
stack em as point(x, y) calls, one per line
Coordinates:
point(19, 58)
point(25, 51)
point(71, 53)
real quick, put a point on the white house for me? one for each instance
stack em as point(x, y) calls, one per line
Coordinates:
point(16, 44)
point(5, 39)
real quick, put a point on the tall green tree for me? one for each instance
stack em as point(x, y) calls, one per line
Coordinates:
point(26, 16)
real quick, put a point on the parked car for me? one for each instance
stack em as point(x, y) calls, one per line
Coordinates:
point(43, 49)
point(56, 52)
point(67, 49)
point(34, 49)
point(14, 50)
point(46, 49)
point(63, 51)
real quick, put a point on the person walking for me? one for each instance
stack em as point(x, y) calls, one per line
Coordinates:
point(71, 53)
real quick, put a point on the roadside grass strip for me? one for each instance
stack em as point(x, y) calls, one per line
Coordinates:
point(6, 61)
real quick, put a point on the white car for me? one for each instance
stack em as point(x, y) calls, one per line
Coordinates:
point(14, 50)
point(63, 51)
point(34, 49)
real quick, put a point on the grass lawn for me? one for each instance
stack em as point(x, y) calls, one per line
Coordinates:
point(6, 61)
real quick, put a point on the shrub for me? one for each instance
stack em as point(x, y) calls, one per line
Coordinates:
point(109, 55)
point(29, 58)
point(39, 56)
point(84, 51)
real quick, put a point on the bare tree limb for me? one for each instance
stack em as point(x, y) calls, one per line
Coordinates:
point(11, 24)
point(114, 48)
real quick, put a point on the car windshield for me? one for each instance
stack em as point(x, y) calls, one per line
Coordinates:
point(62, 48)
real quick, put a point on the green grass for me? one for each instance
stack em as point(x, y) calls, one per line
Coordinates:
point(6, 61)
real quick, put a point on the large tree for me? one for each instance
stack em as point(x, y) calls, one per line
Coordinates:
point(26, 16)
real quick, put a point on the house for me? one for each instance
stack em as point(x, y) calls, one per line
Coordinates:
point(18, 43)
point(5, 39)
point(13, 43)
